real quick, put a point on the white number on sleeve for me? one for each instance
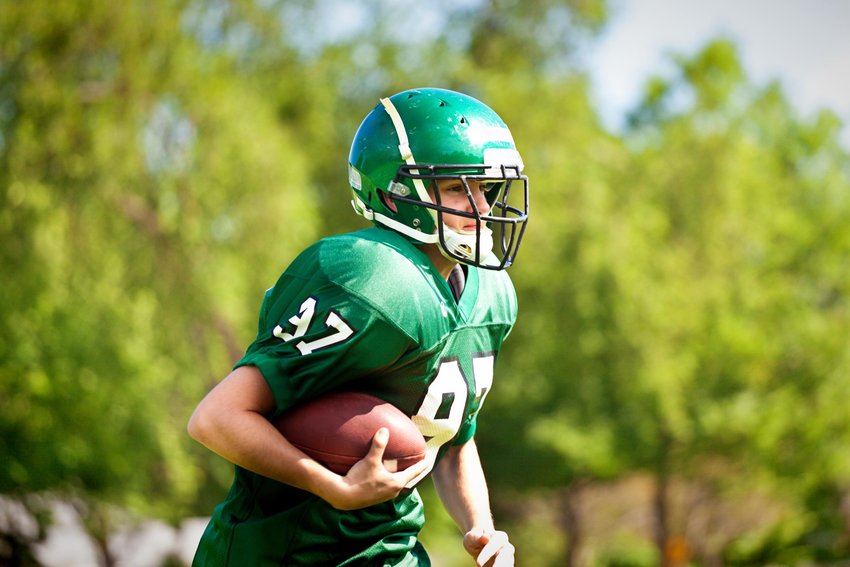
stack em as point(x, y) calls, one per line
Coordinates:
point(301, 321)
point(342, 331)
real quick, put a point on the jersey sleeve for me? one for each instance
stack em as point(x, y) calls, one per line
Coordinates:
point(467, 431)
point(314, 339)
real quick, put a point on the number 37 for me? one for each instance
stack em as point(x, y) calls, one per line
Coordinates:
point(340, 330)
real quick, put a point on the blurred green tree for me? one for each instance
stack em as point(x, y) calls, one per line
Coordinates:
point(688, 307)
point(753, 303)
point(145, 208)
point(683, 286)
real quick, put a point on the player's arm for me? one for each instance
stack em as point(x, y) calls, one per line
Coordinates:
point(461, 485)
point(231, 422)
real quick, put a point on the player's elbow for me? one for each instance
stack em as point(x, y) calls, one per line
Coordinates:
point(200, 426)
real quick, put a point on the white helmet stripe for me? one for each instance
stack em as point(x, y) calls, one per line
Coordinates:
point(404, 148)
point(401, 132)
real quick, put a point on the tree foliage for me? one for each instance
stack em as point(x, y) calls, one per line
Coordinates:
point(142, 213)
point(683, 284)
point(701, 302)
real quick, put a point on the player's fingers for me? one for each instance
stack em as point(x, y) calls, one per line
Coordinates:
point(498, 544)
point(474, 540)
point(414, 471)
point(505, 557)
point(379, 444)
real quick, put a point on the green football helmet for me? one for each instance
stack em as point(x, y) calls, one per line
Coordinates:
point(416, 137)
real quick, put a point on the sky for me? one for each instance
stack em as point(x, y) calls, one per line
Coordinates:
point(805, 44)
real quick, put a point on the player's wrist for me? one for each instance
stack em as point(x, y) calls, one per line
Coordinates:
point(319, 480)
point(480, 532)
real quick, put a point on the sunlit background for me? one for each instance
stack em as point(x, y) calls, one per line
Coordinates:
point(801, 43)
point(675, 390)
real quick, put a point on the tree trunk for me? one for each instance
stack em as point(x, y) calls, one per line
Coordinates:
point(98, 524)
point(16, 551)
point(572, 522)
point(661, 501)
point(105, 556)
point(662, 533)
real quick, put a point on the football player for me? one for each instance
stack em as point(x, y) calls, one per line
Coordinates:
point(413, 310)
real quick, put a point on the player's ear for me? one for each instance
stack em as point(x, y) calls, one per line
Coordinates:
point(388, 203)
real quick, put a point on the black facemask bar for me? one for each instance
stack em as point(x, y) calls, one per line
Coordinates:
point(508, 206)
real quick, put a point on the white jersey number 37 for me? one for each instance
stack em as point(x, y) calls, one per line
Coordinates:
point(339, 330)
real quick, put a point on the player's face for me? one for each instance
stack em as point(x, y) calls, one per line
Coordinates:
point(453, 195)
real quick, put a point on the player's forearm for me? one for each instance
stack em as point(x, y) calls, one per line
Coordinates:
point(247, 439)
point(231, 422)
point(462, 487)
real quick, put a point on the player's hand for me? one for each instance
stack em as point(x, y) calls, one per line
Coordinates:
point(490, 548)
point(369, 482)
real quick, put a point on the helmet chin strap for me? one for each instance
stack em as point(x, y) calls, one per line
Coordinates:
point(458, 243)
point(464, 244)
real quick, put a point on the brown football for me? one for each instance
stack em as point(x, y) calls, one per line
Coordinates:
point(337, 430)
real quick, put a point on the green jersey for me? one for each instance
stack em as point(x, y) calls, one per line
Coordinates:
point(364, 311)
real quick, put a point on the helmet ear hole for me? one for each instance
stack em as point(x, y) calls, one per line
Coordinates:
point(387, 201)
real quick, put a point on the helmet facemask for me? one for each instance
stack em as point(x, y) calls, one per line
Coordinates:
point(498, 230)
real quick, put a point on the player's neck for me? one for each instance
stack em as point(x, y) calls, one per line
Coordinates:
point(443, 264)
